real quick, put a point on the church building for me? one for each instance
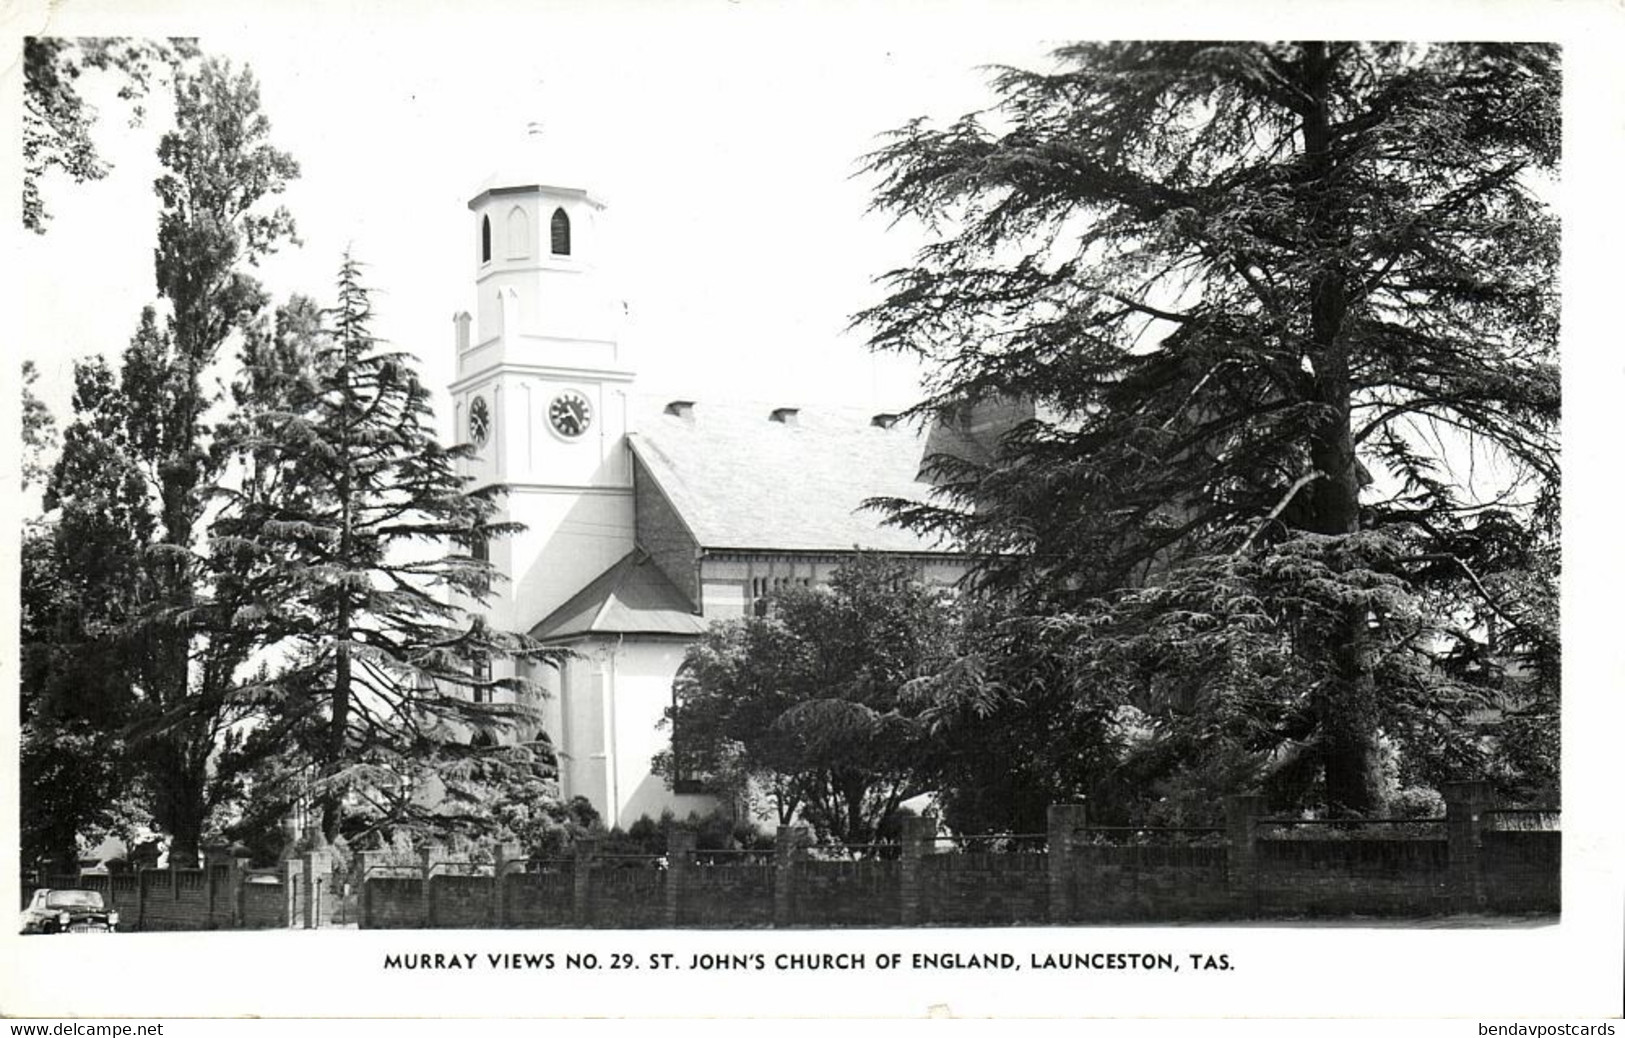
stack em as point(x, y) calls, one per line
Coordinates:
point(646, 518)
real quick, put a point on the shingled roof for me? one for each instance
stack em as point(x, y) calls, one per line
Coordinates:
point(766, 476)
point(631, 597)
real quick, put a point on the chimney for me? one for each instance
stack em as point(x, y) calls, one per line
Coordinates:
point(683, 409)
point(884, 420)
point(461, 321)
point(785, 415)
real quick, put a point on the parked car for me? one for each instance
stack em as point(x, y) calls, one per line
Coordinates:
point(68, 911)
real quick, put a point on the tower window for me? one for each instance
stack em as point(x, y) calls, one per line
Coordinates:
point(518, 234)
point(485, 239)
point(479, 422)
point(561, 233)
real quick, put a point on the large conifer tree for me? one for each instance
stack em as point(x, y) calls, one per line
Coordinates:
point(347, 548)
point(1274, 302)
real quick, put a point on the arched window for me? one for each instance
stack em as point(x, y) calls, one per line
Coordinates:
point(485, 239)
point(518, 234)
point(561, 233)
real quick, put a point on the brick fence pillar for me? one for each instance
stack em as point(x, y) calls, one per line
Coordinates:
point(236, 873)
point(679, 871)
point(919, 839)
point(504, 855)
point(426, 870)
point(140, 898)
point(1464, 805)
point(318, 873)
point(1241, 814)
point(586, 849)
point(786, 849)
point(1062, 821)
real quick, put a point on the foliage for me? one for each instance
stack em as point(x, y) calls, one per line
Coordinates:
point(131, 484)
point(716, 830)
point(1287, 315)
point(38, 430)
point(346, 547)
point(810, 703)
point(57, 122)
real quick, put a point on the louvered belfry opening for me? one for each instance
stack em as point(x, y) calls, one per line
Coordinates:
point(485, 239)
point(561, 233)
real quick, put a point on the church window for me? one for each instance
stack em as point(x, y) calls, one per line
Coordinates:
point(518, 234)
point(485, 239)
point(482, 675)
point(480, 551)
point(685, 776)
point(561, 233)
point(479, 422)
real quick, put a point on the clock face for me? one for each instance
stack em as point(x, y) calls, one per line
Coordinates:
point(570, 414)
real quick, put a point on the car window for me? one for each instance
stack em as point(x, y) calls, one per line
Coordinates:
point(73, 899)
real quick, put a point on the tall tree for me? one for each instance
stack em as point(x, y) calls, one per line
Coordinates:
point(347, 549)
point(1273, 301)
point(58, 122)
point(150, 433)
point(82, 581)
point(813, 704)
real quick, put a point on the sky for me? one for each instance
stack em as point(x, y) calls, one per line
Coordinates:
point(727, 140)
point(725, 137)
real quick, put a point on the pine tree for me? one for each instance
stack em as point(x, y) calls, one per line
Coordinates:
point(347, 548)
point(1272, 301)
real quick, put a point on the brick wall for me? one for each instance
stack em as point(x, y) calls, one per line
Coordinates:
point(174, 900)
point(264, 903)
point(1145, 883)
point(845, 893)
point(392, 902)
point(462, 902)
point(540, 899)
point(626, 898)
point(1333, 877)
point(1083, 876)
point(727, 896)
point(984, 888)
point(1521, 871)
point(661, 533)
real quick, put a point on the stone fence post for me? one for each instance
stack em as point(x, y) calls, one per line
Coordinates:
point(1241, 814)
point(919, 839)
point(679, 870)
point(586, 849)
point(786, 850)
point(1464, 805)
point(1063, 822)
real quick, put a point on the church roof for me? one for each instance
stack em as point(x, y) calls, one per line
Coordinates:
point(753, 475)
point(631, 597)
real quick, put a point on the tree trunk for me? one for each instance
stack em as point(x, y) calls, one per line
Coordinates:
point(1349, 751)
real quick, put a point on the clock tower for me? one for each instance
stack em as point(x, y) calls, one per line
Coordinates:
point(541, 388)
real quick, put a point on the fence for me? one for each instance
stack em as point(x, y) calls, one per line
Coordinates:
point(223, 895)
point(1475, 859)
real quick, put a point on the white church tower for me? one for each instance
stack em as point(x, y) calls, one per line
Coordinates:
point(541, 388)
